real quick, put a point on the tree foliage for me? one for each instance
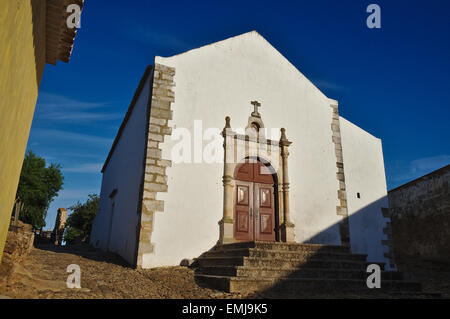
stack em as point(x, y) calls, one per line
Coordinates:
point(38, 186)
point(79, 223)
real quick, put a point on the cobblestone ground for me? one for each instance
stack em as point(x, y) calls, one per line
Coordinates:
point(104, 275)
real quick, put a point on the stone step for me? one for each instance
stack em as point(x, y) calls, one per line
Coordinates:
point(416, 294)
point(282, 263)
point(285, 247)
point(289, 254)
point(267, 272)
point(236, 284)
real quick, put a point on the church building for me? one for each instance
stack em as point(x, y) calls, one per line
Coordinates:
point(230, 143)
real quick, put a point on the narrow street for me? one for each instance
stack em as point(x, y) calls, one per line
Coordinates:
point(105, 275)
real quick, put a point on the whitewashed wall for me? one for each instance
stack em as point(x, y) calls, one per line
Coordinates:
point(219, 80)
point(124, 172)
point(364, 174)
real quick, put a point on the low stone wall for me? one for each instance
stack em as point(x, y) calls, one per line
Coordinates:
point(420, 217)
point(19, 243)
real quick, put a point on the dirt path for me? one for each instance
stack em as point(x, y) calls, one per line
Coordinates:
point(104, 275)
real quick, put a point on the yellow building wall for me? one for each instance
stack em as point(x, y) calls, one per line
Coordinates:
point(22, 61)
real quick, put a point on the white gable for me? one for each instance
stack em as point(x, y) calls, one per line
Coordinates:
point(220, 80)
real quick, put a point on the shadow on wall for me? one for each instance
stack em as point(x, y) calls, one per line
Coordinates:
point(330, 270)
point(305, 270)
point(369, 232)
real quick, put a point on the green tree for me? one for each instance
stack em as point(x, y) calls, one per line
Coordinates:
point(79, 223)
point(38, 186)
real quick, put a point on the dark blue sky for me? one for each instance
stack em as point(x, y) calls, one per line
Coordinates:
point(393, 82)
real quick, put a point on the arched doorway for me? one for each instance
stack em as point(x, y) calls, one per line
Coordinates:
point(256, 192)
point(255, 202)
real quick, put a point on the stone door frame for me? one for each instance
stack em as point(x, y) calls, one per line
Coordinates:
point(239, 147)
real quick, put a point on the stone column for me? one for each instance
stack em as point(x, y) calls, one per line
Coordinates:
point(60, 223)
point(287, 227)
point(227, 223)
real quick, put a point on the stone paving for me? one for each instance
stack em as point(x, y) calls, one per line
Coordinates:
point(104, 275)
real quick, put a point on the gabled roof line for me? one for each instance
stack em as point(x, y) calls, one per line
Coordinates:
point(137, 93)
point(210, 44)
point(245, 34)
point(368, 133)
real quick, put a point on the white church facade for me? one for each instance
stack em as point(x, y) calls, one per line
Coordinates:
point(229, 142)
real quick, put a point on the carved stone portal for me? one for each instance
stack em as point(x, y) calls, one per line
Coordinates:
point(253, 146)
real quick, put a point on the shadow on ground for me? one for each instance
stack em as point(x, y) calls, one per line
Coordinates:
point(86, 251)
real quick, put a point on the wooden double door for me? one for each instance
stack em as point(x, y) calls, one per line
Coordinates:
point(254, 210)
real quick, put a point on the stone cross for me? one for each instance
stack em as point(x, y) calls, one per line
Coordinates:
point(255, 112)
